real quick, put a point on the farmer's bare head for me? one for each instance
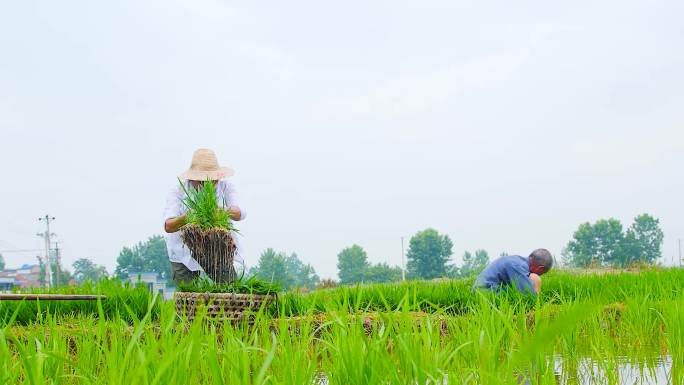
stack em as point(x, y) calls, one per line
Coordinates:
point(541, 261)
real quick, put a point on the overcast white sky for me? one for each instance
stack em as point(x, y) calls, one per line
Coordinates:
point(502, 124)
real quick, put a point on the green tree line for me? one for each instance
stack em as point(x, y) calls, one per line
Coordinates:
point(428, 257)
point(607, 243)
point(288, 271)
point(603, 243)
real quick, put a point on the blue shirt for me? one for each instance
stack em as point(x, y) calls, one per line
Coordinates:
point(510, 270)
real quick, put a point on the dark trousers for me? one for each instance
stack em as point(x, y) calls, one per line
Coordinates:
point(180, 273)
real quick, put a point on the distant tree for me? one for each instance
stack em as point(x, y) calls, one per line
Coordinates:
point(2, 262)
point(272, 267)
point(428, 254)
point(580, 251)
point(60, 276)
point(86, 270)
point(41, 274)
point(382, 272)
point(128, 261)
point(155, 256)
point(303, 274)
point(147, 256)
point(597, 244)
point(472, 264)
point(604, 243)
point(287, 271)
point(352, 264)
point(643, 241)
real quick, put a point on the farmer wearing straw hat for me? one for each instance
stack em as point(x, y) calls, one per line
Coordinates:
point(204, 167)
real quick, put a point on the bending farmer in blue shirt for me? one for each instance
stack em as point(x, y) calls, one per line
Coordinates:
point(514, 270)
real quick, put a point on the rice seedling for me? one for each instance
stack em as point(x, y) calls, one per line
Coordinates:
point(203, 209)
point(399, 353)
point(575, 335)
point(456, 296)
point(251, 285)
point(122, 301)
point(209, 231)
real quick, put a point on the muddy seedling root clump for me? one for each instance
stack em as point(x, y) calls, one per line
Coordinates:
point(209, 231)
point(214, 249)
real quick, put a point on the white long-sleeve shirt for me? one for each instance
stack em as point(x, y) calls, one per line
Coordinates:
point(178, 252)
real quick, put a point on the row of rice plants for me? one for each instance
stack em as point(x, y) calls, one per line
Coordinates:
point(452, 296)
point(456, 296)
point(123, 301)
point(491, 343)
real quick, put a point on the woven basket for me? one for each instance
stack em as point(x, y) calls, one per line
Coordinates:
point(221, 306)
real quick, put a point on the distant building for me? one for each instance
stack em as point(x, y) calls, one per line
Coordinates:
point(6, 284)
point(23, 277)
point(153, 283)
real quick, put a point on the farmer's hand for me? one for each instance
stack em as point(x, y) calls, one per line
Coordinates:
point(174, 224)
point(536, 282)
point(235, 213)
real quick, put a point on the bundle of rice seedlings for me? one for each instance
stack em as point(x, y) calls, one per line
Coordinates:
point(209, 232)
point(251, 285)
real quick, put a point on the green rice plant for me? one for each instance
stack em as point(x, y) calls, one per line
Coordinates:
point(203, 209)
point(672, 316)
point(209, 231)
point(251, 285)
point(639, 292)
point(456, 296)
point(384, 334)
point(498, 340)
point(124, 301)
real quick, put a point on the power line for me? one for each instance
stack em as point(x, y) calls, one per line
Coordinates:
point(21, 251)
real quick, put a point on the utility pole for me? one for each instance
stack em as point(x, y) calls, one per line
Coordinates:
point(403, 268)
point(680, 252)
point(58, 269)
point(46, 235)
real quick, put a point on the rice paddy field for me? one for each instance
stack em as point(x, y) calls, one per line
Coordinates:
point(625, 328)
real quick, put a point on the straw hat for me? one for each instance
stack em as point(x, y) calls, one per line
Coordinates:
point(205, 166)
